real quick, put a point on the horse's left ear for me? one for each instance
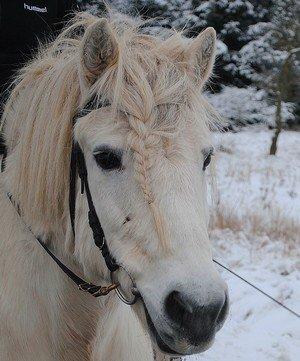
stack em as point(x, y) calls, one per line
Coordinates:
point(201, 55)
point(99, 49)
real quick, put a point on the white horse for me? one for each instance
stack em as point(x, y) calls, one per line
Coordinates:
point(146, 144)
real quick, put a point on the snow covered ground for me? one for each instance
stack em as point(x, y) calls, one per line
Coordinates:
point(256, 232)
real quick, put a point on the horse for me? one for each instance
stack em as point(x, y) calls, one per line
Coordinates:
point(131, 99)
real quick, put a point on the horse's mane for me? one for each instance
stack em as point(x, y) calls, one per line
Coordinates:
point(149, 76)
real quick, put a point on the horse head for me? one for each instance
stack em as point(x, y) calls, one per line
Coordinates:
point(147, 146)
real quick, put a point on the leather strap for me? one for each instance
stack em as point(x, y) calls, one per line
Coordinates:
point(82, 285)
point(3, 151)
point(78, 166)
point(98, 234)
point(72, 190)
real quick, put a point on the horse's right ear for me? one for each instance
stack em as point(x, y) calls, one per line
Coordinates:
point(99, 49)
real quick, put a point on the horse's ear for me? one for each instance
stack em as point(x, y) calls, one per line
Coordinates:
point(201, 55)
point(99, 49)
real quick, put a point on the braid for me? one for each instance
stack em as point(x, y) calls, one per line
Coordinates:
point(141, 163)
point(143, 142)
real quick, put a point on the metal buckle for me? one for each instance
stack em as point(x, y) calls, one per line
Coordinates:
point(97, 291)
point(83, 287)
point(105, 290)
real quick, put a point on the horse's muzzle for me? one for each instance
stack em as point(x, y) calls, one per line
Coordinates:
point(193, 325)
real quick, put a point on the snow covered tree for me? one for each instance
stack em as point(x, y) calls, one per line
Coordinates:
point(271, 59)
point(231, 19)
point(260, 59)
point(255, 39)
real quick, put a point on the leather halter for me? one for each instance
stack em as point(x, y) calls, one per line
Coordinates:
point(78, 167)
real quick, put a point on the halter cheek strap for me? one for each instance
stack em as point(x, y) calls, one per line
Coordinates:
point(78, 160)
point(78, 166)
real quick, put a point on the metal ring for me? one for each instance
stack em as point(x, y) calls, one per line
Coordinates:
point(134, 289)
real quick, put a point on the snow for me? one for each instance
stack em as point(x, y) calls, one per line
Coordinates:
point(222, 48)
point(252, 182)
point(232, 27)
point(263, 181)
point(204, 7)
point(247, 105)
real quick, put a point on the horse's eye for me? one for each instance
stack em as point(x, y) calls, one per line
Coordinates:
point(109, 159)
point(207, 157)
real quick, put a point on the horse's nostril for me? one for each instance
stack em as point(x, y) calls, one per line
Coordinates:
point(199, 322)
point(177, 307)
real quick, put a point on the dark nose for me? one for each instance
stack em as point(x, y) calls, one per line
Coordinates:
point(198, 322)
